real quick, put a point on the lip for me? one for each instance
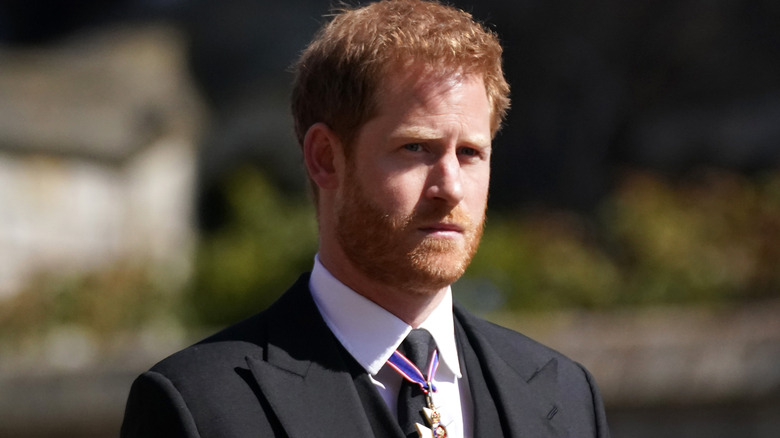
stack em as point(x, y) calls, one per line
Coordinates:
point(442, 227)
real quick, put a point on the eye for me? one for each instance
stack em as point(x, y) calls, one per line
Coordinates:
point(413, 147)
point(469, 152)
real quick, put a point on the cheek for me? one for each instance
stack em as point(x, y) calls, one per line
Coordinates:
point(477, 193)
point(479, 180)
point(402, 190)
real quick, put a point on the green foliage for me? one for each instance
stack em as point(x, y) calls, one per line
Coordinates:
point(711, 238)
point(243, 267)
point(545, 260)
point(121, 298)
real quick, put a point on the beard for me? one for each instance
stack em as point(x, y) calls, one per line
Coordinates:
point(389, 248)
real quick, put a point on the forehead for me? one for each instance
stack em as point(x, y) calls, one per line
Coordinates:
point(412, 88)
point(421, 80)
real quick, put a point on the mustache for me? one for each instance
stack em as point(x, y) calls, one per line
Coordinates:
point(437, 214)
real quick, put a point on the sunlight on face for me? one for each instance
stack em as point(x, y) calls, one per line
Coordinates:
point(412, 204)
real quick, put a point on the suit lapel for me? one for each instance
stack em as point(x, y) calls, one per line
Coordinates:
point(486, 421)
point(303, 375)
point(524, 389)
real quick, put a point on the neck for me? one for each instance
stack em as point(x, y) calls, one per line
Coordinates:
point(410, 306)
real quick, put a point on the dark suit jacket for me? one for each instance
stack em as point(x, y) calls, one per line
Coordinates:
point(283, 373)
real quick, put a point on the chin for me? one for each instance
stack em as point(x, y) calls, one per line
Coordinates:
point(435, 271)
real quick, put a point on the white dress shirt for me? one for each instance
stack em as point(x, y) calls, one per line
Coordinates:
point(371, 334)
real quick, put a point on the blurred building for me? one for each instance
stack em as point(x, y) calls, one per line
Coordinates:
point(97, 154)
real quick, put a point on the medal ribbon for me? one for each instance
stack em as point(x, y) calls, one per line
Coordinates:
point(409, 371)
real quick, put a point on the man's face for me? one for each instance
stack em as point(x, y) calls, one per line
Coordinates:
point(411, 207)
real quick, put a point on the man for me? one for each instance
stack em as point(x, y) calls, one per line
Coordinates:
point(395, 105)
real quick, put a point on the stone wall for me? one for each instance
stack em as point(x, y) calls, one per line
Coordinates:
point(97, 154)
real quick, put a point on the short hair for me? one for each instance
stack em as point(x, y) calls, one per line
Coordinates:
point(337, 76)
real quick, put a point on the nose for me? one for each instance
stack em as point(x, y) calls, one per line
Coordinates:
point(444, 180)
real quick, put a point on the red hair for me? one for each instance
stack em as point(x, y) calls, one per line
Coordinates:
point(338, 75)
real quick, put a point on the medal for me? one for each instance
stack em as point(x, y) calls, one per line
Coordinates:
point(436, 429)
point(410, 372)
point(434, 420)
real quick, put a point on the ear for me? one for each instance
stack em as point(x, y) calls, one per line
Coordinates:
point(322, 152)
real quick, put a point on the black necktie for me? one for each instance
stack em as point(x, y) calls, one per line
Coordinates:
point(418, 348)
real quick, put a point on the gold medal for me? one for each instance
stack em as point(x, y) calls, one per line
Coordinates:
point(434, 420)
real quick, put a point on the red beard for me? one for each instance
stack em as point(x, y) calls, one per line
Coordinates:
point(389, 248)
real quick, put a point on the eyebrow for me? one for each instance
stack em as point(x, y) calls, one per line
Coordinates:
point(424, 133)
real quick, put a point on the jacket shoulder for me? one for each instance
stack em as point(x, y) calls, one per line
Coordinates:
point(181, 395)
point(230, 346)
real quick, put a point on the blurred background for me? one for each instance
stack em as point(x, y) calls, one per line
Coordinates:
point(151, 192)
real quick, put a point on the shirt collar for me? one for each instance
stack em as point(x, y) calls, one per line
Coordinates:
point(370, 333)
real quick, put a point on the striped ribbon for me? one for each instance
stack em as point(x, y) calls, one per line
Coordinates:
point(410, 372)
